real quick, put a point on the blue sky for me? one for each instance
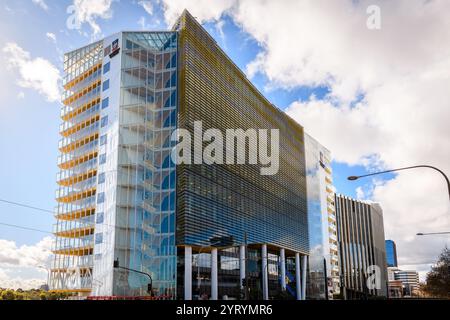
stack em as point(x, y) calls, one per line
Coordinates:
point(360, 92)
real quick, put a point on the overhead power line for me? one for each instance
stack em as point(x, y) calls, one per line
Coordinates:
point(25, 205)
point(24, 228)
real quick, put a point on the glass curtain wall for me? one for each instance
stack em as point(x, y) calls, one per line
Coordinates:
point(316, 266)
point(145, 233)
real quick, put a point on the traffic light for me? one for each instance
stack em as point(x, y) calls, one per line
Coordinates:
point(244, 282)
point(116, 263)
point(149, 288)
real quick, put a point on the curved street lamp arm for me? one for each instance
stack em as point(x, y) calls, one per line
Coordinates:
point(405, 168)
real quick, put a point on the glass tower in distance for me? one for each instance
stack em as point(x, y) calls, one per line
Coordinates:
point(391, 253)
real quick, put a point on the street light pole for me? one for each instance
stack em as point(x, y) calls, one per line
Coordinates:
point(150, 285)
point(432, 233)
point(352, 178)
point(48, 275)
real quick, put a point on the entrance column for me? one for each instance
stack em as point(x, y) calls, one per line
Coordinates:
point(241, 264)
point(264, 270)
point(214, 282)
point(297, 276)
point(304, 260)
point(283, 269)
point(187, 273)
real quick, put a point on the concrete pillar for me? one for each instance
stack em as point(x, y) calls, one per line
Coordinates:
point(187, 273)
point(264, 270)
point(283, 269)
point(241, 264)
point(304, 261)
point(297, 276)
point(214, 281)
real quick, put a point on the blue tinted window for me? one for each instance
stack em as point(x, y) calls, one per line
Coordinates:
point(101, 197)
point(173, 80)
point(102, 159)
point(99, 217)
point(101, 177)
point(174, 61)
point(98, 238)
point(106, 68)
point(173, 98)
point(103, 139)
point(104, 121)
point(105, 103)
point(106, 85)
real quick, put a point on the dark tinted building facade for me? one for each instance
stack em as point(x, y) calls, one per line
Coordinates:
point(391, 254)
point(217, 205)
point(361, 248)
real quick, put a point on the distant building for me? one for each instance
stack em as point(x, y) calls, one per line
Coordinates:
point(395, 289)
point(391, 254)
point(44, 287)
point(410, 281)
point(361, 249)
point(391, 273)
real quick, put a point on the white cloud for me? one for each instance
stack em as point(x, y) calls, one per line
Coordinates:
point(10, 281)
point(147, 5)
point(360, 195)
point(24, 256)
point(41, 3)
point(88, 11)
point(141, 22)
point(51, 36)
point(19, 265)
point(388, 100)
point(38, 73)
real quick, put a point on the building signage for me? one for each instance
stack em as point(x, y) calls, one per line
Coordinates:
point(114, 48)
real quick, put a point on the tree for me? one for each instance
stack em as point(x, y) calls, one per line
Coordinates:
point(438, 279)
point(8, 295)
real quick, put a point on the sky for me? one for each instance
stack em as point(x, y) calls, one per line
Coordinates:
point(374, 92)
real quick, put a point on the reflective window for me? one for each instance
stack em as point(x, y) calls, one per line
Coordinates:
point(102, 159)
point(104, 121)
point(103, 140)
point(99, 238)
point(101, 197)
point(106, 85)
point(105, 103)
point(106, 67)
point(99, 217)
point(101, 178)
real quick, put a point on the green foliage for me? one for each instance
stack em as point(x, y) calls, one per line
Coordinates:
point(438, 279)
point(33, 294)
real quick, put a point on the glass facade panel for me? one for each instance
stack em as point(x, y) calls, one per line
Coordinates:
point(223, 202)
point(146, 177)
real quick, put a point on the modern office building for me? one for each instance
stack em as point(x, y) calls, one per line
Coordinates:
point(362, 252)
point(410, 281)
point(391, 254)
point(323, 263)
point(197, 230)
